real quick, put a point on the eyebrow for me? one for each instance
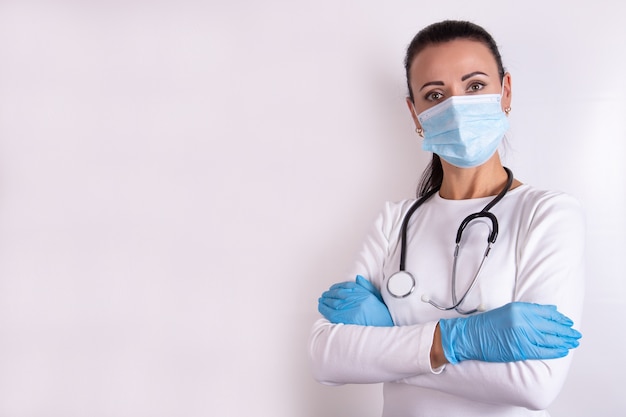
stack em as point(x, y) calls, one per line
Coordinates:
point(463, 78)
point(471, 74)
point(431, 83)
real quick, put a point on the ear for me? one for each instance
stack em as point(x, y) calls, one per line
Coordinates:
point(506, 91)
point(411, 107)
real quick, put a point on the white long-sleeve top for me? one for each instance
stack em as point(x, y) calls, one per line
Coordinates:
point(538, 257)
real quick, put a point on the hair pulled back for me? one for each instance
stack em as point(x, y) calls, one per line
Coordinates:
point(436, 33)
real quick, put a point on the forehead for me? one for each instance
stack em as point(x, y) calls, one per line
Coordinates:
point(451, 60)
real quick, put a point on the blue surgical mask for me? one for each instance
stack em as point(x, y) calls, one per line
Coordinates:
point(464, 130)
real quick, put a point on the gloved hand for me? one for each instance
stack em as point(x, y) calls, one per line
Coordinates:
point(354, 303)
point(514, 332)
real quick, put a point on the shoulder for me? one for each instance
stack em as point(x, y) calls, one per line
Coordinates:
point(550, 209)
point(532, 198)
point(397, 208)
point(392, 214)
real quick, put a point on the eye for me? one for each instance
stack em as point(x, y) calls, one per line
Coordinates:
point(434, 96)
point(475, 87)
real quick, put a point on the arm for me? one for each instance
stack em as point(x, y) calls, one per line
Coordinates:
point(550, 259)
point(529, 384)
point(437, 355)
point(342, 354)
point(366, 354)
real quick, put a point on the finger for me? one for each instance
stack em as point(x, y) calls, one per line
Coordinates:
point(550, 312)
point(341, 303)
point(332, 303)
point(345, 293)
point(365, 284)
point(547, 353)
point(368, 286)
point(328, 313)
point(554, 342)
point(343, 285)
point(548, 341)
point(337, 293)
point(324, 309)
point(547, 326)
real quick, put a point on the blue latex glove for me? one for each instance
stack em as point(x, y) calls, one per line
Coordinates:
point(354, 303)
point(514, 332)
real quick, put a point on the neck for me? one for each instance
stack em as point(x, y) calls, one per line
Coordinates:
point(465, 183)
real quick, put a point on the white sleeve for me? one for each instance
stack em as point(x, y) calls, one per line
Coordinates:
point(350, 354)
point(343, 354)
point(550, 258)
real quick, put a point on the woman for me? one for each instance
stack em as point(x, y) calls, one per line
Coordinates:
point(476, 334)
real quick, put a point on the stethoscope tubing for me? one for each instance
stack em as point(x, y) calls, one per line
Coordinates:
point(405, 224)
point(493, 235)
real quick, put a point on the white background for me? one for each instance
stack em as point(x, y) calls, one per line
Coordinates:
point(180, 180)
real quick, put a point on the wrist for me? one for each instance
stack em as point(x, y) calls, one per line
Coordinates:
point(450, 330)
point(437, 356)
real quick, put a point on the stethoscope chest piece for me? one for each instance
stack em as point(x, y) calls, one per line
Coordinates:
point(401, 284)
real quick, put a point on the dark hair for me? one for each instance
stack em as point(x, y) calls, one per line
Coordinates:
point(441, 32)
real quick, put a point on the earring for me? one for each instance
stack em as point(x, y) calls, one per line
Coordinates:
point(419, 131)
point(507, 110)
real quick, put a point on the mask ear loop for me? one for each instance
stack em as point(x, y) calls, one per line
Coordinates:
point(418, 130)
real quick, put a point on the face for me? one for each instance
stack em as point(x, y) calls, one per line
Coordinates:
point(455, 68)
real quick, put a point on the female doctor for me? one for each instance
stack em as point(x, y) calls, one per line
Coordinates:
point(465, 299)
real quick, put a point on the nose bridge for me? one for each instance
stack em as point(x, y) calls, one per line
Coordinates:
point(456, 89)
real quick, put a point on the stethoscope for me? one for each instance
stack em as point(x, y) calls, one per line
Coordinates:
point(402, 283)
